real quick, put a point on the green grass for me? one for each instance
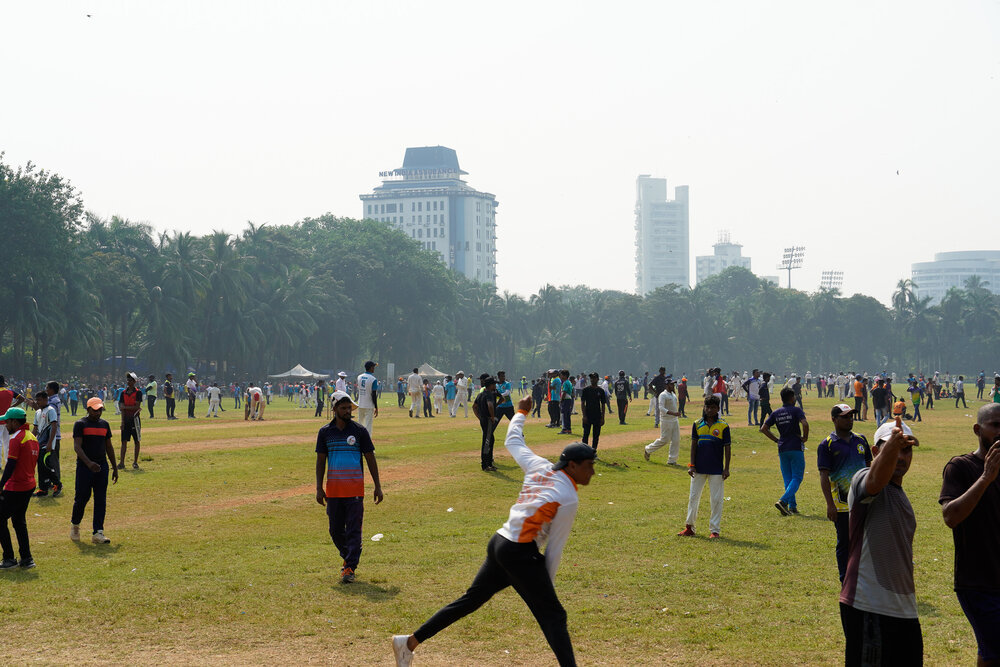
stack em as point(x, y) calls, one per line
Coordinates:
point(220, 553)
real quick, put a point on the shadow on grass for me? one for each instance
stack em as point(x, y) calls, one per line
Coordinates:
point(372, 592)
point(610, 464)
point(17, 575)
point(743, 544)
point(501, 473)
point(926, 609)
point(96, 550)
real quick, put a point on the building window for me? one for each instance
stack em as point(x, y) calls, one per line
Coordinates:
point(420, 206)
point(420, 233)
point(435, 207)
point(420, 218)
point(466, 246)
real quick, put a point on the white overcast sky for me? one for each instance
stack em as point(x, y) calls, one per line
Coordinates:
point(867, 132)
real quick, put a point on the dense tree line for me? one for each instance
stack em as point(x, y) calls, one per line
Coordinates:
point(81, 294)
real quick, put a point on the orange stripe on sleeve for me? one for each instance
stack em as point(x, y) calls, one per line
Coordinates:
point(534, 523)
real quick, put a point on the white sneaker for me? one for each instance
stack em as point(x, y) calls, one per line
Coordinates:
point(404, 656)
point(98, 538)
point(74, 533)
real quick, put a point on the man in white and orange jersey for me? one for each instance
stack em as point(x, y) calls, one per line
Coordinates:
point(544, 511)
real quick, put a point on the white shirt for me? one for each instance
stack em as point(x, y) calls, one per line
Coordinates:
point(365, 383)
point(192, 386)
point(437, 391)
point(667, 401)
point(254, 392)
point(414, 383)
point(341, 385)
point(753, 389)
point(462, 388)
point(214, 394)
point(546, 507)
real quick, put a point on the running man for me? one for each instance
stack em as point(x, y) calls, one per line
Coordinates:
point(544, 511)
point(130, 404)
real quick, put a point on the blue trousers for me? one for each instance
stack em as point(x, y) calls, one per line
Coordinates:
point(345, 515)
point(793, 469)
point(754, 404)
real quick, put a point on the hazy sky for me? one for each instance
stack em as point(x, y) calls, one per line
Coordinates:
point(867, 132)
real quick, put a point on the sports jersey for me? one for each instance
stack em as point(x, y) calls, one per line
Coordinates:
point(567, 390)
point(151, 389)
point(668, 403)
point(712, 439)
point(366, 385)
point(214, 394)
point(94, 435)
point(6, 398)
point(546, 507)
point(43, 418)
point(842, 459)
point(787, 418)
point(130, 398)
point(449, 390)
point(344, 449)
point(621, 389)
point(24, 449)
point(414, 383)
point(503, 389)
point(555, 385)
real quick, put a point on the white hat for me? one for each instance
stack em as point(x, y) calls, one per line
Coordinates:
point(342, 374)
point(132, 375)
point(338, 396)
point(884, 431)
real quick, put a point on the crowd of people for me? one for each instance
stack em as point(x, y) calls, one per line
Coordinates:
point(861, 481)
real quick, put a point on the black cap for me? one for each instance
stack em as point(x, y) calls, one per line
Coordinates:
point(578, 451)
point(488, 381)
point(594, 375)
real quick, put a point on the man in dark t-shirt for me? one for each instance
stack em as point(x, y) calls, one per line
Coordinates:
point(592, 403)
point(485, 408)
point(95, 454)
point(131, 405)
point(793, 431)
point(621, 396)
point(970, 499)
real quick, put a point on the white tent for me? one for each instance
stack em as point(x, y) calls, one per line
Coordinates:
point(299, 373)
point(428, 372)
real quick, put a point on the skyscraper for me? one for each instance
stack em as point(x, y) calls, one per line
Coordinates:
point(427, 199)
point(661, 235)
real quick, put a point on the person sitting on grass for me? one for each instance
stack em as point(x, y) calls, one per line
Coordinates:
point(544, 512)
point(710, 453)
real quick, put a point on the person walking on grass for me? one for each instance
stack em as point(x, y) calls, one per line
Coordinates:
point(793, 431)
point(367, 397)
point(544, 512)
point(710, 454)
point(970, 503)
point(621, 389)
point(960, 391)
point(340, 480)
point(16, 486)
point(95, 454)
point(878, 601)
point(592, 403)
point(44, 432)
point(130, 404)
point(670, 426)
point(839, 456)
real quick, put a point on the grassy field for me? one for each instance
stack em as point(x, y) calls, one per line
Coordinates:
point(220, 553)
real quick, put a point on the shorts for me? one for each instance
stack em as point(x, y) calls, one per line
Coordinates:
point(983, 611)
point(129, 432)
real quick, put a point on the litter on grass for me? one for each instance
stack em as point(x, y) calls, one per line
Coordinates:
point(377, 536)
point(451, 509)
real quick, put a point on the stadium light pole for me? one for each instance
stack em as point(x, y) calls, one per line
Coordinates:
point(831, 280)
point(791, 258)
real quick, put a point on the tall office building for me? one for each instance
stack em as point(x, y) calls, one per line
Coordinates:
point(661, 235)
point(952, 269)
point(726, 254)
point(427, 199)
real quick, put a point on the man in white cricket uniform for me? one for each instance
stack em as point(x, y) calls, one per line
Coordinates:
point(415, 388)
point(670, 425)
point(544, 512)
point(367, 397)
point(437, 393)
point(255, 403)
point(461, 394)
point(214, 399)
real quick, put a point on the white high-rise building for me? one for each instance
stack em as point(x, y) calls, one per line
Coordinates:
point(952, 269)
point(661, 235)
point(726, 254)
point(427, 199)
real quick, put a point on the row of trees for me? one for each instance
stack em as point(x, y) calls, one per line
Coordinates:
point(82, 294)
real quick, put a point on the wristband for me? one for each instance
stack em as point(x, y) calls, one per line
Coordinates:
point(690, 465)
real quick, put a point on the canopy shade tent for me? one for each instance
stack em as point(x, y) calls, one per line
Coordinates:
point(428, 372)
point(299, 373)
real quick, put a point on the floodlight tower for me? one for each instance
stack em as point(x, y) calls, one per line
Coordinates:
point(831, 280)
point(791, 258)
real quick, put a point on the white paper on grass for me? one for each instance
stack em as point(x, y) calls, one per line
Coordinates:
point(377, 536)
point(451, 509)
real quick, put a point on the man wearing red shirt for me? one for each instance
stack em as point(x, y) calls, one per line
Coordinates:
point(17, 484)
point(8, 399)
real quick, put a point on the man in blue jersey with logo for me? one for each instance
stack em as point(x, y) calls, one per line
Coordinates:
point(340, 480)
point(710, 454)
point(793, 431)
point(839, 456)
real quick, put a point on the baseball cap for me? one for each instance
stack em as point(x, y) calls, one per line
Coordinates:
point(575, 452)
point(885, 430)
point(669, 378)
point(14, 413)
point(95, 403)
point(593, 375)
point(841, 409)
point(339, 396)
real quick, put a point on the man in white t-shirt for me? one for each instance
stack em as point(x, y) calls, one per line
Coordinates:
point(415, 388)
point(214, 398)
point(341, 382)
point(367, 397)
point(461, 394)
point(670, 426)
point(192, 393)
point(437, 393)
point(254, 410)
